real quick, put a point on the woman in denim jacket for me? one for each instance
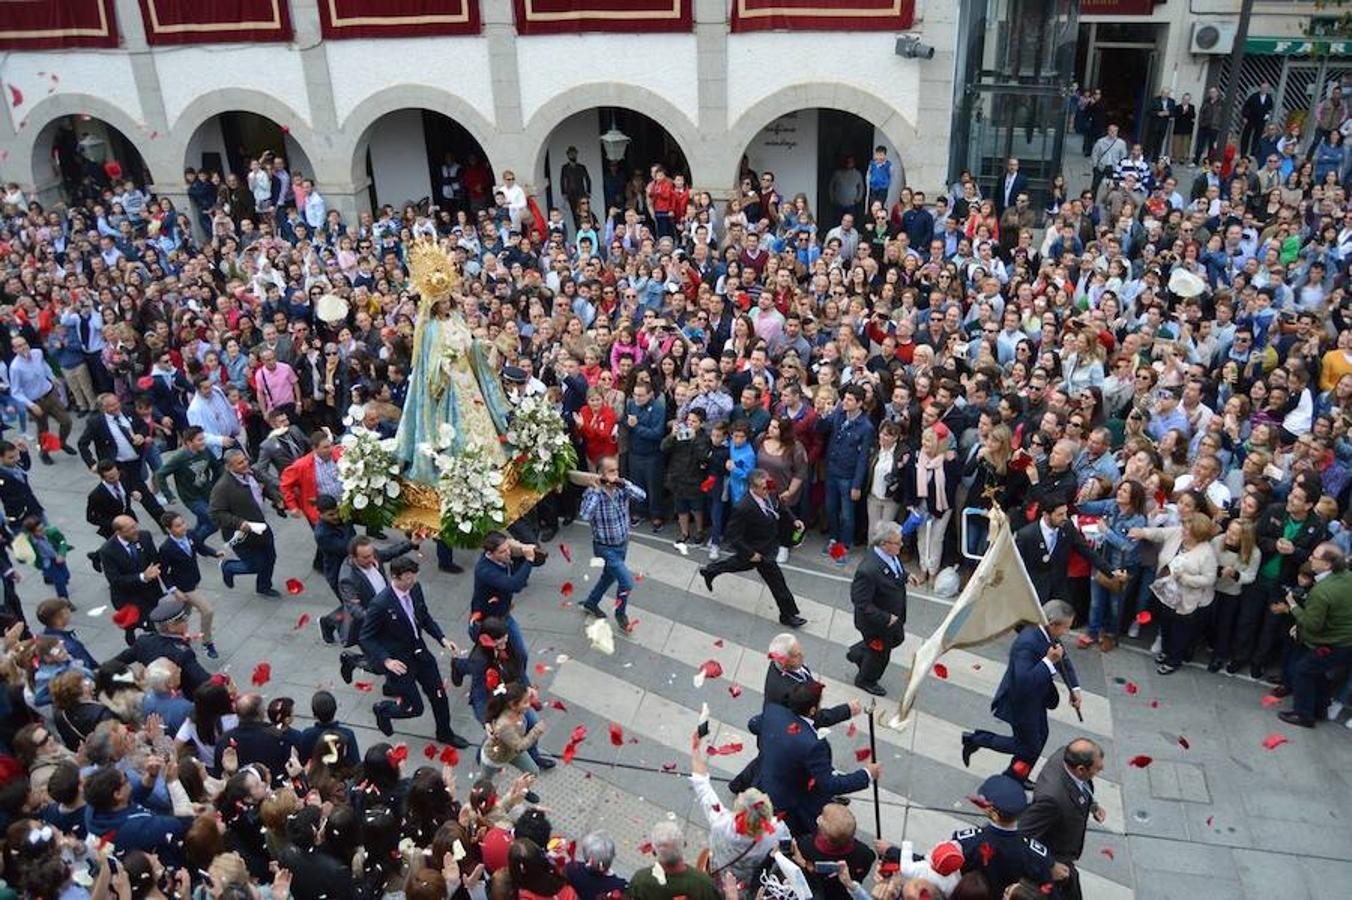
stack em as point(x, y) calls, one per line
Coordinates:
point(1123, 512)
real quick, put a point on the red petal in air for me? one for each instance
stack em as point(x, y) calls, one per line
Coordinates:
point(1131, 687)
point(295, 586)
point(430, 751)
point(1140, 762)
point(707, 484)
point(397, 754)
point(1020, 768)
point(616, 735)
point(302, 621)
point(1274, 740)
point(364, 686)
point(566, 589)
point(862, 754)
point(852, 730)
point(794, 728)
point(725, 750)
point(1143, 617)
point(735, 691)
point(262, 674)
point(1183, 742)
point(566, 552)
point(877, 645)
point(940, 670)
point(15, 96)
point(541, 668)
point(450, 756)
point(711, 668)
point(838, 551)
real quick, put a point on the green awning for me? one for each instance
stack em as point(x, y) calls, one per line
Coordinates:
point(1302, 46)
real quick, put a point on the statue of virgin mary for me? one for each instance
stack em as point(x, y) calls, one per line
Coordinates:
point(455, 399)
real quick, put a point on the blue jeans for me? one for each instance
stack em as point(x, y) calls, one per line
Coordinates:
point(204, 527)
point(840, 510)
point(615, 572)
point(978, 533)
point(646, 472)
point(253, 560)
point(1306, 671)
point(718, 515)
point(58, 575)
point(1101, 599)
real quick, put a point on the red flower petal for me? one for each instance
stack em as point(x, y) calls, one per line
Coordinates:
point(707, 484)
point(128, 616)
point(838, 551)
point(579, 735)
point(566, 589)
point(15, 96)
point(430, 751)
point(1183, 742)
point(852, 730)
point(877, 645)
point(987, 853)
point(1275, 740)
point(302, 621)
point(1130, 687)
point(558, 704)
point(295, 586)
point(1020, 768)
point(569, 751)
point(364, 686)
point(1209, 820)
point(940, 670)
point(1143, 617)
point(262, 674)
point(862, 754)
point(541, 668)
point(645, 848)
point(725, 750)
point(794, 728)
point(450, 756)
point(735, 691)
point(566, 552)
point(492, 678)
point(1140, 762)
point(397, 754)
point(616, 735)
point(711, 668)
point(1154, 704)
point(668, 767)
point(718, 643)
point(1107, 851)
point(1270, 701)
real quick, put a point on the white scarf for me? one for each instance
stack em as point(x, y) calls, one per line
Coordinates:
point(931, 464)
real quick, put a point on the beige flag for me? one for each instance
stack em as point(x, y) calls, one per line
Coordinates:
point(998, 597)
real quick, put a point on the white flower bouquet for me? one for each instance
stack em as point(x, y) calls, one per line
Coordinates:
point(470, 489)
point(543, 452)
point(369, 472)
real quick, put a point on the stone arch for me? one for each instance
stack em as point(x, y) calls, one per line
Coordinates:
point(808, 95)
point(34, 152)
point(556, 109)
point(231, 99)
point(355, 130)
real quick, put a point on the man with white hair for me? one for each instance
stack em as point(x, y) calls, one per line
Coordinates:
point(878, 594)
point(670, 877)
point(162, 696)
point(590, 873)
point(1027, 691)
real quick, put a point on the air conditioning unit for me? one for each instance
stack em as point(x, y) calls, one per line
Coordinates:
point(1213, 37)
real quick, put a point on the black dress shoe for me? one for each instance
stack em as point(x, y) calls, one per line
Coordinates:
point(1233, 667)
point(270, 592)
point(68, 449)
point(1293, 718)
point(1281, 690)
point(383, 721)
point(454, 740)
point(870, 687)
point(1256, 671)
point(46, 458)
point(968, 748)
point(532, 797)
point(1215, 665)
point(792, 621)
point(327, 631)
point(345, 666)
point(457, 672)
point(708, 578)
point(545, 763)
point(452, 568)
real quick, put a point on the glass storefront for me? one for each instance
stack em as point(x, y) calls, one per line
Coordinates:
point(1014, 87)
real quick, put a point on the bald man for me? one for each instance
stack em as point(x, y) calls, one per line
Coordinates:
point(131, 564)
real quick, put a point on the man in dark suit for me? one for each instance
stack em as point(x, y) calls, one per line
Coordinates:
point(131, 564)
point(256, 741)
point(236, 507)
point(283, 446)
point(361, 577)
point(113, 435)
point(169, 640)
point(501, 572)
point(1159, 114)
point(1027, 691)
point(1045, 547)
point(786, 671)
point(756, 532)
point(795, 767)
point(16, 494)
point(108, 500)
point(392, 637)
point(878, 593)
point(1010, 185)
point(179, 571)
point(1255, 112)
point(1063, 801)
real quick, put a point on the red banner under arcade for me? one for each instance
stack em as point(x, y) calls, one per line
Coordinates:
point(340, 19)
point(52, 24)
point(563, 17)
point(215, 21)
point(822, 15)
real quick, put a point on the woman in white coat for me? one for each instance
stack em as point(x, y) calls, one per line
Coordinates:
point(1185, 585)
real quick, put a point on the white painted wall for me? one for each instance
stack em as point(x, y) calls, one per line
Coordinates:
point(399, 158)
point(206, 139)
point(274, 70)
point(582, 131)
point(106, 76)
point(662, 63)
point(788, 147)
point(458, 65)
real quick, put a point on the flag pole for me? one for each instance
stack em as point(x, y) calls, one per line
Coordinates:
point(873, 755)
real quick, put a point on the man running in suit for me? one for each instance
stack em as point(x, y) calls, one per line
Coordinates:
point(878, 593)
point(236, 507)
point(1063, 801)
point(361, 578)
point(754, 532)
point(105, 503)
point(1027, 691)
point(124, 440)
point(131, 564)
point(392, 637)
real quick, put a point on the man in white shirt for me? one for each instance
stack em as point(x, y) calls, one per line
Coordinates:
point(515, 196)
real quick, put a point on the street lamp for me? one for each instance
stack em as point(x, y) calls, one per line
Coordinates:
point(614, 142)
point(94, 147)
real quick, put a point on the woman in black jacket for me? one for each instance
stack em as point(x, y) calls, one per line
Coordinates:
point(316, 872)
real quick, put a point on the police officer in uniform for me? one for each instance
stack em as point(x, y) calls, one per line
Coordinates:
point(170, 641)
point(997, 850)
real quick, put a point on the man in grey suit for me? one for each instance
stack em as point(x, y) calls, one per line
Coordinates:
point(878, 593)
point(1063, 801)
point(285, 444)
point(236, 508)
point(360, 578)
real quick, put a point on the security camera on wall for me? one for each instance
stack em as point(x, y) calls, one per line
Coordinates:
point(909, 46)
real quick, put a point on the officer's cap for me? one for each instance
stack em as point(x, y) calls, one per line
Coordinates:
point(513, 375)
point(1004, 794)
point(169, 609)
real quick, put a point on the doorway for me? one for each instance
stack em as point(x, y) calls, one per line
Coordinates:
point(1125, 75)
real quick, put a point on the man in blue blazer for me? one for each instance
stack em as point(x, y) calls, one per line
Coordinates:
point(500, 573)
point(392, 637)
point(1027, 691)
point(795, 768)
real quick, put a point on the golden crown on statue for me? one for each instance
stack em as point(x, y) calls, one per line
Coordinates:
point(430, 268)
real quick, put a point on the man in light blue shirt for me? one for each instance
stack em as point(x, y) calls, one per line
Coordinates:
point(1167, 416)
point(31, 383)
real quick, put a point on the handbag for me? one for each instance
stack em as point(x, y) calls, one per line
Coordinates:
point(1111, 583)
